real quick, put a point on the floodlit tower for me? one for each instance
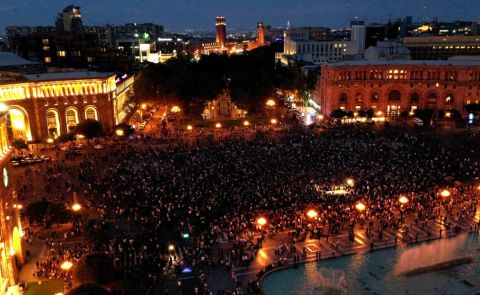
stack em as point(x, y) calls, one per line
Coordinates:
point(260, 34)
point(221, 30)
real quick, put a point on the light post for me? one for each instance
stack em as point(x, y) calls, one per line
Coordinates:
point(445, 193)
point(403, 200)
point(350, 182)
point(312, 214)
point(360, 206)
point(270, 106)
point(76, 205)
point(66, 265)
point(261, 221)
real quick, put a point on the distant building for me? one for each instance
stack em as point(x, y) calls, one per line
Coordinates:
point(69, 20)
point(220, 30)
point(274, 34)
point(358, 35)
point(391, 87)
point(48, 105)
point(387, 50)
point(442, 47)
point(223, 108)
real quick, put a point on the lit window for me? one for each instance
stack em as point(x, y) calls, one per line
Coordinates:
point(61, 53)
point(48, 59)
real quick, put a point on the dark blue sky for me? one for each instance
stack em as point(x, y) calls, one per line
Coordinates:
point(200, 14)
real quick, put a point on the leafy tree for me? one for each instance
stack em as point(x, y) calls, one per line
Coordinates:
point(47, 212)
point(66, 137)
point(89, 128)
point(96, 268)
point(20, 145)
point(94, 231)
point(89, 289)
point(338, 114)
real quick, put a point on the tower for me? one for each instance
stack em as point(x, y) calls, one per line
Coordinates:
point(69, 20)
point(220, 30)
point(358, 35)
point(260, 37)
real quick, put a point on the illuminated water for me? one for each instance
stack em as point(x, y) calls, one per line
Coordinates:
point(371, 273)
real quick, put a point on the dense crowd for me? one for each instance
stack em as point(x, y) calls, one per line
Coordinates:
point(215, 190)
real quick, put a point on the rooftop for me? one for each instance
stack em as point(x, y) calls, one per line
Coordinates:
point(67, 76)
point(458, 63)
point(10, 59)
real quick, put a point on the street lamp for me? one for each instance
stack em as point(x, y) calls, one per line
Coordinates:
point(261, 221)
point(360, 207)
point(246, 123)
point(119, 132)
point(273, 121)
point(175, 109)
point(171, 247)
point(350, 182)
point(218, 125)
point(190, 127)
point(50, 140)
point(76, 207)
point(144, 106)
point(445, 193)
point(312, 214)
point(403, 200)
point(270, 105)
point(66, 265)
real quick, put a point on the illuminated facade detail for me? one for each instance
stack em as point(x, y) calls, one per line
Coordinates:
point(393, 87)
point(220, 31)
point(223, 108)
point(51, 104)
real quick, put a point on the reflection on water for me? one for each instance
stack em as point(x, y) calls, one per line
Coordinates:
point(371, 273)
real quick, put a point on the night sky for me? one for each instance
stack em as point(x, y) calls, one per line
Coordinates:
point(178, 15)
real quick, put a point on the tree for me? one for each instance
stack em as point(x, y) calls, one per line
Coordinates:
point(89, 128)
point(66, 137)
point(47, 212)
point(96, 268)
point(20, 145)
point(94, 231)
point(338, 114)
point(89, 289)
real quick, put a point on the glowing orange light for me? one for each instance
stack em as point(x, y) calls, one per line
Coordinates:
point(189, 127)
point(350, 182)
point(246, 123)
point(312, 213)
point(76, 207)
point(270, 103)
point(261, 221)
point(360, 206)
point(218, 125)
point(445, 193)
point(66, 265)
point(403, 200)
point(273, 121)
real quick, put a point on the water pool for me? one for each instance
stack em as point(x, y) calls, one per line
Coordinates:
point(371, 273)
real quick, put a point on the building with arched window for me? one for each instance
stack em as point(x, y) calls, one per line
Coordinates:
point(396, 86)
point(48, 105)
point(11, 231)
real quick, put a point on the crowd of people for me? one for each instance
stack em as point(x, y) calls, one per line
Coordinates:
point(214, 191)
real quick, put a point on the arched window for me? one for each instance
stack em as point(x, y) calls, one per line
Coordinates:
point(432, 98)
point(72, 118)
point(343, 98)
point(91, 113)
point(414, 97)
point(359, 98)
point(449, 98)
point(374, 97)
point(53, 123)
point(394, 95)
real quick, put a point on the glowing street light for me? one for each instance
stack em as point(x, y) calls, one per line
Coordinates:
point(445, 193)
point(379, 113)
point(261, 221)
point(403, 200)
point(360, 207)
point(119, 132)
point(3, 108)
point(350, 182)
point(189, 127)
point(270, 103)
point(246, 123)
point(80, 136)
point(273, 121)
point(76, 207)
point(171, 247)
point(175, 109)
point(66, 265)
point(144, 106)
point(50, 140)
point(218, 125)
point(312, 214)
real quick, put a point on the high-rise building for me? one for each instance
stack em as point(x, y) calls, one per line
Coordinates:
point(260, 36)
point(358, 34)
point(69, 20)
point(221, 30)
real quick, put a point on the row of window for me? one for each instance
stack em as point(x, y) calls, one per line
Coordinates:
point(395, 74)
point(71, 119)
point(395, 95)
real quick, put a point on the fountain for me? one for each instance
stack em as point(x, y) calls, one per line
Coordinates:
point(330, 282)
point(438, 255)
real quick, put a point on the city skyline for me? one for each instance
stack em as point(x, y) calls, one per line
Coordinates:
point(191, 14)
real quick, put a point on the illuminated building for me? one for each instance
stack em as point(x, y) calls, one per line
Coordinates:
point(11, 232)
point(395, 86)
point(47, 105)
point(442, 47)
point(223, 108)
point(220, 31)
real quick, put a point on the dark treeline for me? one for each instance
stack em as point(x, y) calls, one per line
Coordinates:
point(251, 78)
